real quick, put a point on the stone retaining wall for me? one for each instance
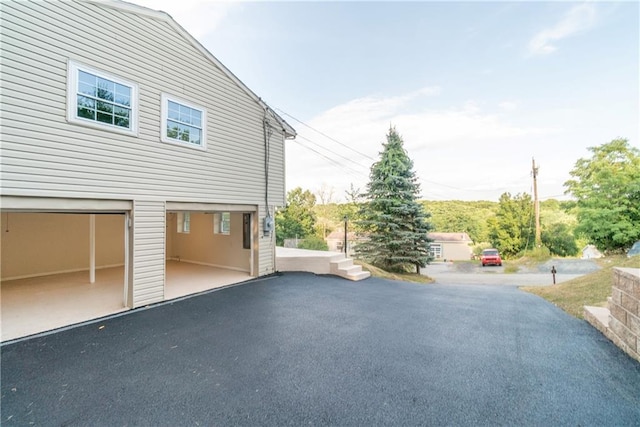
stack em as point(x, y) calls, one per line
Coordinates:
point(620, 322)
point(624, 306)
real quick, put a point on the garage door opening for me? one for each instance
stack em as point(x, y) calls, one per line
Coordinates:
point(59, 269)
point(207, 250)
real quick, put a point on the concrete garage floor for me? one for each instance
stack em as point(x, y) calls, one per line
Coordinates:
point(38, 304)
point(300, 349)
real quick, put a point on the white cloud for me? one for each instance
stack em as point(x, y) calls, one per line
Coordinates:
point(577, 19)
point(198, 17)
point(429, 91)
point(467, 151)
point(508, 105)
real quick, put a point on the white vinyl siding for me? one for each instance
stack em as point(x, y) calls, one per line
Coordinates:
point(148, 252)
point(45, 158)
point(266, 261)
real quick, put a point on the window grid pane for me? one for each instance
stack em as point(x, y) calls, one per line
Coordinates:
point(184, 123)
point(103, 100)
point(225, 223)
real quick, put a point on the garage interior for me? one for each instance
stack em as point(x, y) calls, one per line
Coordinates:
point(46, 264)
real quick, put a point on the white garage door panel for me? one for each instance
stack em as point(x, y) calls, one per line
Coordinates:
point(209, 207)
point(26, 204)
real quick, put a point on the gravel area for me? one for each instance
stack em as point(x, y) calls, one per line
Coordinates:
point(474, 274)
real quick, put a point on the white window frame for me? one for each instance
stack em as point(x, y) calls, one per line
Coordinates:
point(184, 222)
point(220, 225)
point(435, 250)
point(164, 115)
point(73, 71)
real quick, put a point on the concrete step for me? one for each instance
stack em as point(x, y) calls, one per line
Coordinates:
point(359, 276)
point(353, 272)
point(340, 264)
point(598, 317)
point(352, 269)
point(345, 268)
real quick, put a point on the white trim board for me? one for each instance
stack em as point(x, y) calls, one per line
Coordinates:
point(52, 273)
point(51, 204)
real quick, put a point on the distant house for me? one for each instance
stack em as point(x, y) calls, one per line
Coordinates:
point(590, 251)
point(451, 246)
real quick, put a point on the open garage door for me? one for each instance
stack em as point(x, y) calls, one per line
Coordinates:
point(61, 265)
point(209, 246)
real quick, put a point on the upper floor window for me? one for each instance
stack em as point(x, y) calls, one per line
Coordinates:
point(183, 122)
point(101, 100)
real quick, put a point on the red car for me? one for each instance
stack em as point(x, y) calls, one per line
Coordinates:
point(490, 257)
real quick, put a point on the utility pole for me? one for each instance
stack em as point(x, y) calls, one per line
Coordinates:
point(346, 219)
point(536, 201)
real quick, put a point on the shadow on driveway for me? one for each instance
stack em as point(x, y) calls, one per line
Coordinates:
point(301, 349)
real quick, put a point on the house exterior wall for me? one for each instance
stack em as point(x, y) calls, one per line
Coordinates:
point(267, 243)
point(47, 243)
point(148, 266)
point(35, 59)
point(456, 251)
point(44, 155)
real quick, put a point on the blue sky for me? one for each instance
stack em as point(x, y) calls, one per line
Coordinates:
point(476, 89)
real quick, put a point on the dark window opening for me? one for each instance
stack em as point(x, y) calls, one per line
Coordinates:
point(246, 231)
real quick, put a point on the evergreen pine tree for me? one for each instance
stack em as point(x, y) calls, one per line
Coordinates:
point(395, 223)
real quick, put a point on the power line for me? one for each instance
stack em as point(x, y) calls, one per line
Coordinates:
point(331, 151)
point(325, 135)
point(362, 154)
point(350, 171)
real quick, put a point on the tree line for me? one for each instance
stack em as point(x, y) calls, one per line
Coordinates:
point(604, 211)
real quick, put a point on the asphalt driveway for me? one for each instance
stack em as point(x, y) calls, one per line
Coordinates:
point(306, 350)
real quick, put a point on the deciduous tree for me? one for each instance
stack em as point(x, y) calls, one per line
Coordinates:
point(455, 216)
point(607, 189)
point(297, 220)
point(511, 230)
point(558, 239)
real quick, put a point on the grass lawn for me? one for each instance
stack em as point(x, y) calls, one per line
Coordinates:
point(591, 289)
point(406, 277)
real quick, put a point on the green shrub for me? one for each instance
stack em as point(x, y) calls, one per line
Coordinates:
point(479, 247)
point(314, 243)
point(539, 254)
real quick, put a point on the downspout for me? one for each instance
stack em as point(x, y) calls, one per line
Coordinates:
point(269, 223)
point(267, 132)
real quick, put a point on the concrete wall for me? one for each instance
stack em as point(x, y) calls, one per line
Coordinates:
point(35, 244)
